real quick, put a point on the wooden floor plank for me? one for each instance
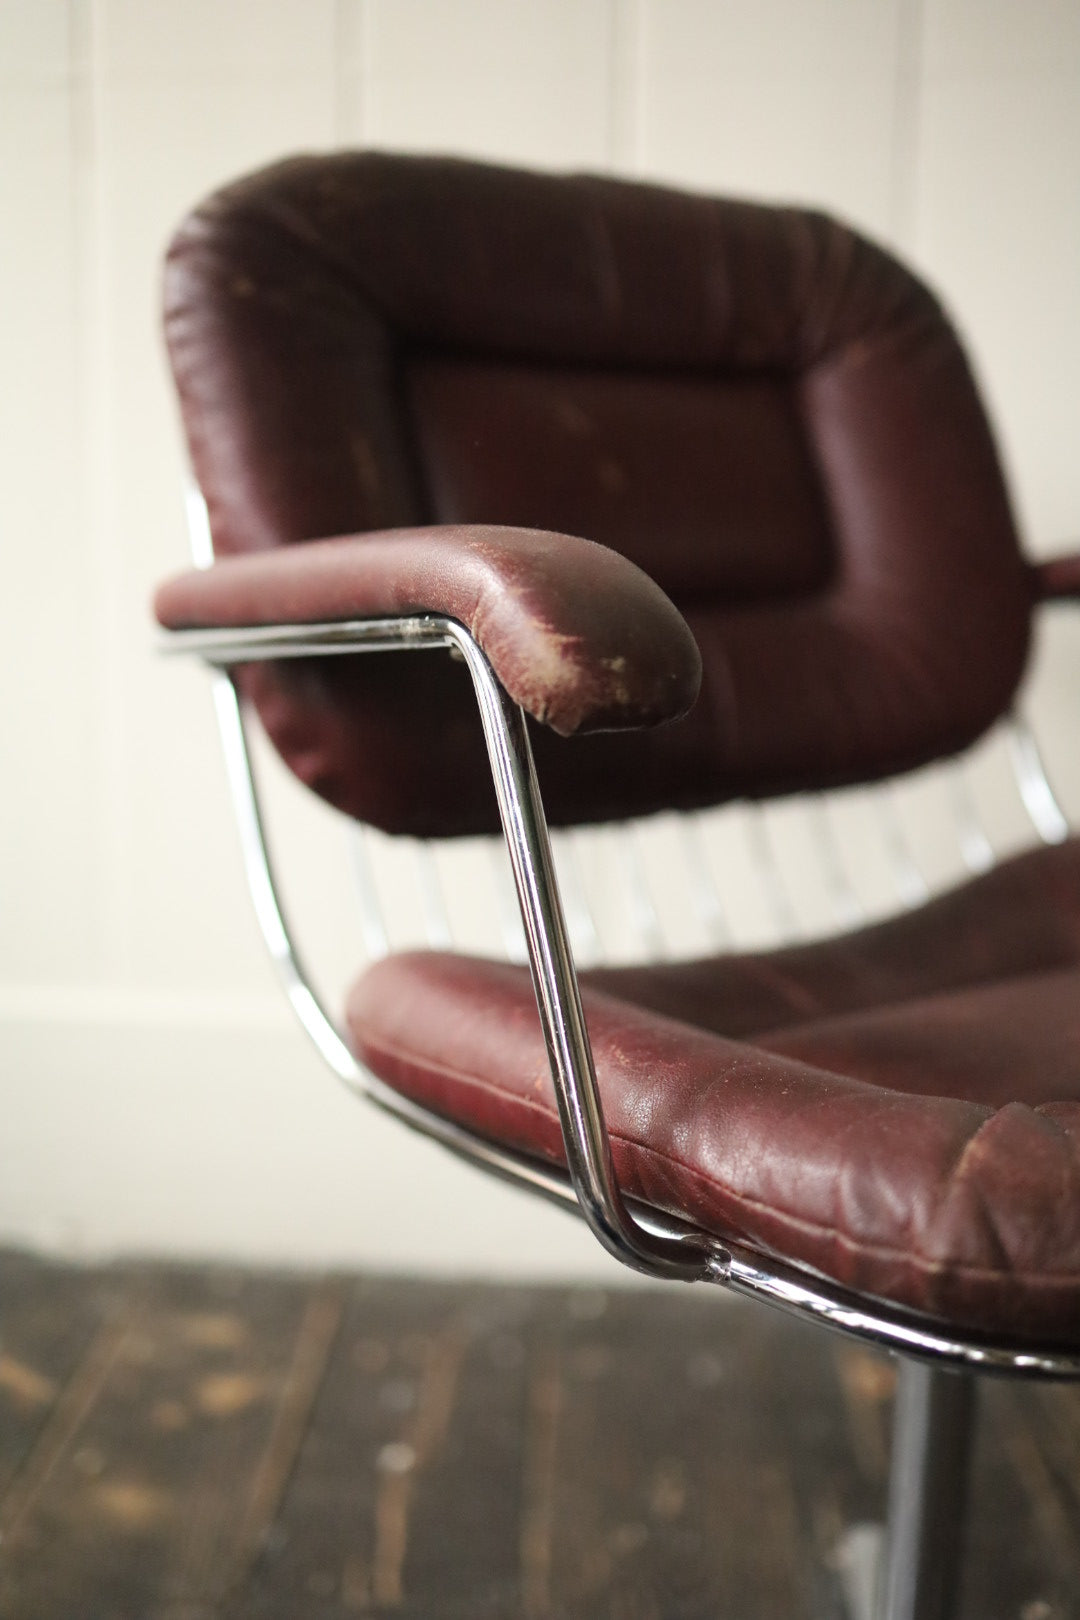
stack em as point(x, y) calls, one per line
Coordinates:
point(315, 1336)
point(48, 1317)
point(680, 1496)
point(468, 1511)
point(1022, 1552)
point(154, 1450)
point(404, 1497)
point(200, 1444)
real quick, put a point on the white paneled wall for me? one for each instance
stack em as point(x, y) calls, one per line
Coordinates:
point(154, 1093)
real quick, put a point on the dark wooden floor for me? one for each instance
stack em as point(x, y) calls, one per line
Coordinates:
point(181, 1444)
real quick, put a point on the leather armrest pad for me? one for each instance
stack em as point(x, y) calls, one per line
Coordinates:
point(579, 636)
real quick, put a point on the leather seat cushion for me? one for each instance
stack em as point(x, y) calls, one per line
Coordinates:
point(923, 1149)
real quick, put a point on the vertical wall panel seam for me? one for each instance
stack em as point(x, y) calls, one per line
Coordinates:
point(348, 71)
point(338, 74)
point(368, 69)
point(109, 796)
point(624, 72)
point(109, 549)
point(907, 126)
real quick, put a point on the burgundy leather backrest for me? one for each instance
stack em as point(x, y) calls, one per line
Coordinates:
point(762, 409)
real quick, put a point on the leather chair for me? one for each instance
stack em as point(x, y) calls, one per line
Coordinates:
point(801, 570)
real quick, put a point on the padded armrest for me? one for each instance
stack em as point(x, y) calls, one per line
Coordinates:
point(1058, 579)
point(578, 636)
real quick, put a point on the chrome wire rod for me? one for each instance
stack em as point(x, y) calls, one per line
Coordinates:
point(911, 887)
point(848, 910)
point(644, 917)
point(581, 919)
point(263, 887)
point(243, 646)
point(973, 841)
point(1038, 797)
point(507, 909)
point(771, 879)
point(704, 889)
point(372, 922)
point(440, 934)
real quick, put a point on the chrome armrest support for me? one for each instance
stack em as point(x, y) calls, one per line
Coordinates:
point(674, 1252)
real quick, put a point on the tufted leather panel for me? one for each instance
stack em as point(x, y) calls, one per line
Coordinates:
point(761, 408)
point(626, 459)
point(924, 1151)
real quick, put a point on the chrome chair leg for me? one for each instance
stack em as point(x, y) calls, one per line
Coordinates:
point(932, 1430)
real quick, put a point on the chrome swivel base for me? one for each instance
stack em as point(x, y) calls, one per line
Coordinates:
point(909, 1568)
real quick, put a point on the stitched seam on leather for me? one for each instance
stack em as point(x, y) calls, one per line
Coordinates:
point(912, 1257)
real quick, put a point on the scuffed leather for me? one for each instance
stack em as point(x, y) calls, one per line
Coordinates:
point(761, 408)
point(960, 1206)
point(577, 635)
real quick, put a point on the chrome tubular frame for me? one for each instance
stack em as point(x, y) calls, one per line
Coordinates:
point(931, 1456)
point(263, 889)
point(641, 1237)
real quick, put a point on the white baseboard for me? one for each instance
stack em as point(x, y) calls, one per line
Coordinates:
point(196, 1125)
